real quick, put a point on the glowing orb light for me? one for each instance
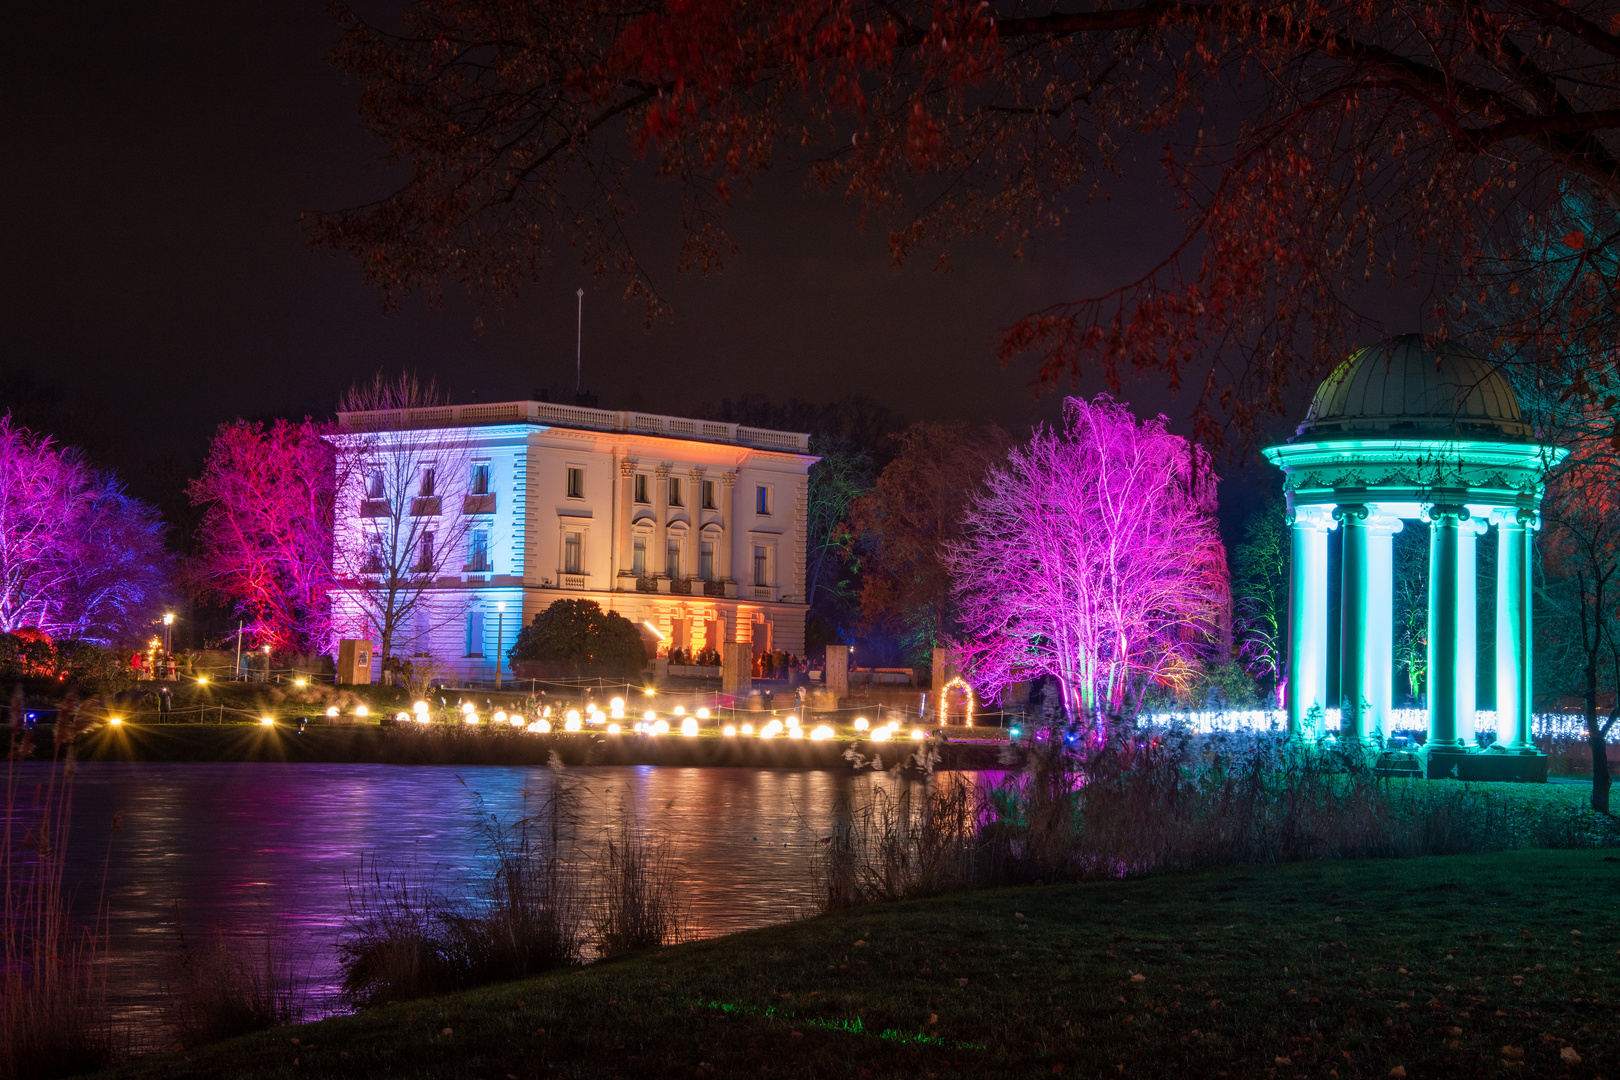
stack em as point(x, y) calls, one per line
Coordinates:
point(689, 727)
point(419, 708)
point(880, 735)
point(332, 711)
point(617, 704)
point(423, 718)
point(821, 733)
point(793, 721)
point(795, 732)
point(613, 729)
point(649, 716)
point(661, 727)
point(748, 729)
point(861, 724)
point(361, 710)
point(515, 720)
point(728, 731)
point(703, 714)
point(546, 712)
point(400, 718)
point(771, 729)
point(471, 717)
point(680, 710)
point(499, 717)
point(539, 727)
point(572, 723)
point(467, 706)
point(917, 733)
point(598, 717)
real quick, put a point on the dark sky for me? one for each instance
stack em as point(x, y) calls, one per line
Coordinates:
point(153, 270)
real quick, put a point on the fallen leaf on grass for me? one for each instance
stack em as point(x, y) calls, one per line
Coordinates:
point(1282, 1060)
point(1399, 1070)
point(961, 982)
point(1513, 1051)
point(1138, 977)
point(1568, 1056)
point(447, 1031)
point(933, 1018)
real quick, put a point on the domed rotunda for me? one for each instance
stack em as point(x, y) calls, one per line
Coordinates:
point(1409, 430)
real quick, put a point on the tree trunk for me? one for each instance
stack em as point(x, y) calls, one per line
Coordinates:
point(1600, 767)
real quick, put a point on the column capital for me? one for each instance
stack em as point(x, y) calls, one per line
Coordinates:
point(1356, 512)
point(728, 478)
point(663, 470)
point(627, 467)
point(1319, 517)
point(1454, 510)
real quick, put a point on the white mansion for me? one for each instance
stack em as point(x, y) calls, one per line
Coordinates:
point(694, 530)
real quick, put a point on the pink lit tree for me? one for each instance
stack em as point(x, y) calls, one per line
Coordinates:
point(1093, 556)
point(79, 558)
point(265, 542)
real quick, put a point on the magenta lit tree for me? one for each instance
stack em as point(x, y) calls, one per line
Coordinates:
point(1093, 556)
point(79, 558)
point(265, 542)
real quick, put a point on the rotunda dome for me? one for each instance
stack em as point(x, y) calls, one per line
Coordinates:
point(1405, 387)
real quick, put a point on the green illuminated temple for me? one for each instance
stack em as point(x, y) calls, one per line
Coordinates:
point(1403, 433)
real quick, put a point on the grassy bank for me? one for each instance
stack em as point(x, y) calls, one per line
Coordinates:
point(1488, 965)
point(439, 745)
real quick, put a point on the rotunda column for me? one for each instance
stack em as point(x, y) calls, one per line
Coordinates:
point(1515, 538)
point(1468, 628)
point(1378, 657)
point(1354, 593)
point(1307, 618)
point(1444, 542)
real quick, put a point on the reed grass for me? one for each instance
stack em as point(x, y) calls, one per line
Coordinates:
point(223, 988)
point(1124, 802)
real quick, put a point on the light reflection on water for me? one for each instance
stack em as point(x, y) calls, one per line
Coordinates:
point(240, 848)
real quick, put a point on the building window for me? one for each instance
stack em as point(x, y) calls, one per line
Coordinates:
point(762, 566)
point(475, 633)
point(672, 558)
point(641, 488)
point(427, 483)
point(572, 553)
point(675, 491)
point(373, 563)
point(576, 483)
point(706, 560)
point(638, 557)
point(480, 478)
point(708, 495)
point(762, 500)
point(424, 553)
point(374, 484)
point(478, 551)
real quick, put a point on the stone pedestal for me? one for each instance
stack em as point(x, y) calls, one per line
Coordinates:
point(835, 676)
point(736, 668)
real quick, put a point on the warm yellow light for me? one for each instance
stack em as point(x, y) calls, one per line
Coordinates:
point(880, 735)
point(917, 733)
point(115, 720)
point(647, 690)
point(572, 724)
point(598, 717)
point(402, 717)
point(266, 721)
point(822, 732)
point(300, 682)
point(168, 620)
point(467, 706)
point(546, 711)
point(499, 717)
point(540, 727)
point(680, 710)
point(771, 729)
point(617, 703)
point(861, 724)
point(748, 729)
point(653, 628)
point(613, 729)
point(515, 720)
point(703, 714)
point(689, 727)
point(420, 707)
point(793, 721)
point(202, 679)
point(423, 718)
point(471, 718)
point(661, 727)
point(361, 710)
point(332, 711)
point(795, 733)
point(728, 731)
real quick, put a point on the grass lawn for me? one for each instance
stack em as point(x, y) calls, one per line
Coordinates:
point(1491, 965)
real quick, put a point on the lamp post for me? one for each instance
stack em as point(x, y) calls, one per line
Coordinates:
point(266, 663)
point(168, 638)
point(500, 638)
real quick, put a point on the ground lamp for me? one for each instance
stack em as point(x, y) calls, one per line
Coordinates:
point(1414, 433)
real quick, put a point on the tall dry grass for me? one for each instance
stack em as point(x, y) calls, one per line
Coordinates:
point(635, 904)
point(222, 988)
point(53, 972)
point(1124, 801)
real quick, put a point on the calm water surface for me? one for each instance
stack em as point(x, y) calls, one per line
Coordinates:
point(245, 849)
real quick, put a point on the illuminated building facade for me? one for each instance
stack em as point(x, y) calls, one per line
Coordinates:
point(1403, 434)
point(692, 529)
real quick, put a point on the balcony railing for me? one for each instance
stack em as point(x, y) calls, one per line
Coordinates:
point(375, 508)
point(478, 564)
point(577, 416)
point(478, 504)
point(425, 506)
point(681, 586)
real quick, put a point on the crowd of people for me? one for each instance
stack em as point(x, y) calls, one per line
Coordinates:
point(780, 664)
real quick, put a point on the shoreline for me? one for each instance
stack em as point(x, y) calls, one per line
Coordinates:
point(374, 744)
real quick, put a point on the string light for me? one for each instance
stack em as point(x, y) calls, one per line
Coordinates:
point(956, 683)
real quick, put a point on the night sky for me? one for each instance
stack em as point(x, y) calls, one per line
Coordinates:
point(155, 280)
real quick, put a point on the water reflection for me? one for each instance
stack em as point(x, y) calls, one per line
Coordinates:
point(240, 848)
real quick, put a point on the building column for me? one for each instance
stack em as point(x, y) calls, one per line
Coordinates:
point(1354, 691)
point(1515, 539)
point(1307, 619)
point(660, 551)
point(627, 479)
point(694, 524)
point(728, 482)
point(1378, 661)
point(1444, 543)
